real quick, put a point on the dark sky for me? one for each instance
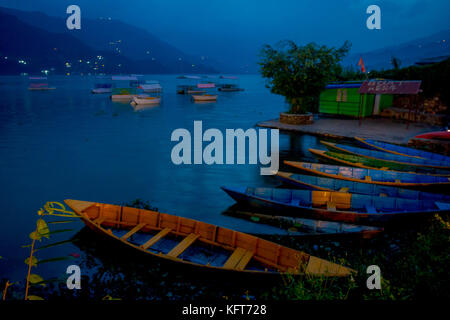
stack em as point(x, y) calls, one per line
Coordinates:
point(240, 27)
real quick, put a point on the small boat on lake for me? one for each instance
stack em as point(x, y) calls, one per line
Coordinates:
point(124, 93)
point(151, 86)
point(375, 176)
point(200, 244)
point(101, 88)
point(39, 84)
point(380, 155)
point(309, 227)
point(145, 99)
point(400, 150)
point(338, 206)
point(205, 97)
point(329, 184)
point(370, 163)
point(229, 87)
point(435, 135)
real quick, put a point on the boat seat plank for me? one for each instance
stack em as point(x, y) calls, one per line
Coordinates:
point(235, 258)
point(133, 231)
point(245, 260)
point(100, 220)
point(156, 238)
point(183, 245)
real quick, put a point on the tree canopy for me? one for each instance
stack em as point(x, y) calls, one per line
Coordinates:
point(300, 73)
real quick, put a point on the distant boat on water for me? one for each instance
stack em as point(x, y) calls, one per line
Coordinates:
point(229, 86)
point(101, 88)
point(39, 84)
point(205, 97)
point(145, 99)
point(151, 86)
point(124, 93)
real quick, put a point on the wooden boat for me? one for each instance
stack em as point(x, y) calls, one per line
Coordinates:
point(380, 155)
point(374, 176)
point(338, 206)
point(205, 97)
point(200, 244)
point(144, 99)
point(400, 150)
point(328, 184)
point(309, 227)
point(123, 94)
point(435, 135)
point(368, 163)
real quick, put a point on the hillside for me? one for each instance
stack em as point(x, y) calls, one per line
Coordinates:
point(435, 45)
point(33, 36)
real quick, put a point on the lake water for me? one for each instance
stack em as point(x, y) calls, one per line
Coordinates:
point(69, 143)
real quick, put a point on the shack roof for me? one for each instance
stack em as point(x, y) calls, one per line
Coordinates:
point(390, 87)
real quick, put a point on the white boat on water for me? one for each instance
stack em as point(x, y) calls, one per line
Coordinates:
point(151, 87)
point(205, 97)
point(145, 99)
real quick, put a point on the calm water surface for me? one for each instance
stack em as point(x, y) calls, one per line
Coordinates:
point(69, 143)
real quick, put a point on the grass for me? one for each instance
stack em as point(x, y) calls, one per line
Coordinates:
point(414, 265)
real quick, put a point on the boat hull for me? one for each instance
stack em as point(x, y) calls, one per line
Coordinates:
point(339, 206)
point(375, 176)
point(329, 184)
point(146, 101)
point(204, 97)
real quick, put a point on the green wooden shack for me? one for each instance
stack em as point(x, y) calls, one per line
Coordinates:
point(344, 99)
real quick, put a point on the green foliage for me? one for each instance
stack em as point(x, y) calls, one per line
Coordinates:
point(414, 265)
point(300, 73)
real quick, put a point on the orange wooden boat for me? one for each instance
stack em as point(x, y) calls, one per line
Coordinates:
point(199, 244)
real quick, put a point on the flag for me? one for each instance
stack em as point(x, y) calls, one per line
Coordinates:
point(361, 63)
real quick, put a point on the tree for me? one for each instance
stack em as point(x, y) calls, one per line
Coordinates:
point(300, 73)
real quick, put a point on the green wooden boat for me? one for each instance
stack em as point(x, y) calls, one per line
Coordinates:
point(371, 163)
point(380, 155)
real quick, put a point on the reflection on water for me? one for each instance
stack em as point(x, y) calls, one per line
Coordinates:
point(69, 143)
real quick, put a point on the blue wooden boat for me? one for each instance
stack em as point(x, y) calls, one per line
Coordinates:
point(380, 155)
point(328, 184)
point(375, 176)
point(400, 150)
point(337, 206)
